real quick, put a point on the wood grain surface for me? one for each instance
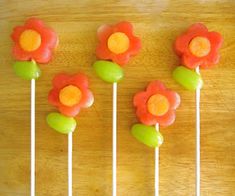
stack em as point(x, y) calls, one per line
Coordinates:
point(157, 23)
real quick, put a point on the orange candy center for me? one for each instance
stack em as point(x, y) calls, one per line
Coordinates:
point(200, 46)
point(70, 95)
point(30, 40)
point(118, 43)
point(158, 105)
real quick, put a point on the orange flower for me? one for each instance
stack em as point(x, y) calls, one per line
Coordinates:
point(198, 47)
point(117, 43)
point(34, 41)
point(70, 93)
point(156, 105)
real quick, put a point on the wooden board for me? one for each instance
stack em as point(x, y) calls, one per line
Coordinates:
point(157, 23)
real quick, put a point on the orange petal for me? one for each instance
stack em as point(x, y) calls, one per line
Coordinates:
point(181, 44)
point(216, 40)
point(140, 98)
point(135, 46)
point(42, 55)
point(53, 97)
point(191, 61)
point(121, 59)
point(197, 28)
point(87, 99)
point(19, 54)
point(60, 80)
point(79, 80)
point(173, 98)
point(155, 86)
point(145, 117)
point(102, 52)
point(166, 119)
point(125, 27)
point(69, 111)
point(211, 60)
point(16, 33)
point(49, 38)
point(34, 23)
point(103, 32)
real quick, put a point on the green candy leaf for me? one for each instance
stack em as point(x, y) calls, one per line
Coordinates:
point(27, 69)
point(147, 135)
point(108, 71)
point(187, 78)
point(61, 123)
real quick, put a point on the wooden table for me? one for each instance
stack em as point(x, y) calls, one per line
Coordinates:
point(157, 23)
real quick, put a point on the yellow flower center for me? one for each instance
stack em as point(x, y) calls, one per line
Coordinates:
point(30, 40)
point(200, 46)
point(158, 105)
point(118, 43)
point(70, 95)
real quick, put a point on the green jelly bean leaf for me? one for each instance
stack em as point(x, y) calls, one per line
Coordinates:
point(147, 135)
point(27, 69)
point(188, 78)
point(61, 123)
point(108, 71)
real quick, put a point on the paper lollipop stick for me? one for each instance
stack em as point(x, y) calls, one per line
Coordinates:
point(70, 93)
point(197, 47)
point(70, 164)
point(157, 166)
point(114, 138)
point(33, 43)
point(198, 132)
point(154, 107)
point(32, 174)
point(116, 43)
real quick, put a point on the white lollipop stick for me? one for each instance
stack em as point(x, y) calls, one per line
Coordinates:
point(32, 171)
point(197, 138)
point(114, 139)
point(70, 165)
point(157, 166)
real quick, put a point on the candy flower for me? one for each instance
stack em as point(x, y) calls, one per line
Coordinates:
point(156, 105)
point(34, 41)
point(199, 47)
point(117, 43)
point(70, 93)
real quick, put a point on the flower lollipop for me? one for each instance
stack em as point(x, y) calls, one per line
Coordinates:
point(155, 106)
point(117, 43)
point(197, 47)
point(34, 40)
point(69, 94)
point(33, 43)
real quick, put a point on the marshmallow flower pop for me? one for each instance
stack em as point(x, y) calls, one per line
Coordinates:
point(197, 47)
point(69, 94)
point(33, 43)
point(116, 45)
point(154, 107)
